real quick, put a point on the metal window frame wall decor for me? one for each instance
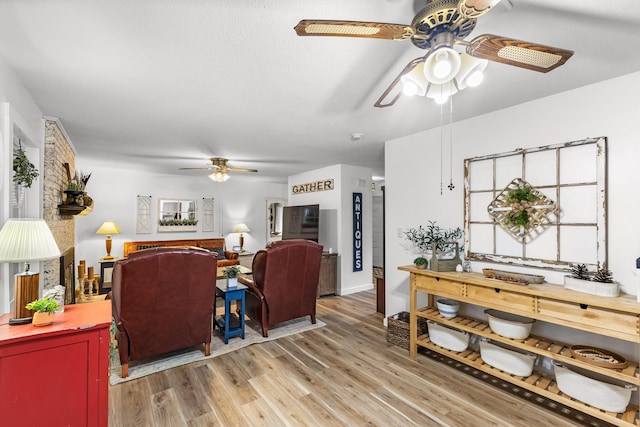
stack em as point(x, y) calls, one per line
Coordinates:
point(571, 174)
point(143, 218)
point(208, 214)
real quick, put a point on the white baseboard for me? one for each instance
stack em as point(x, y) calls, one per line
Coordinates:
point(354, 289)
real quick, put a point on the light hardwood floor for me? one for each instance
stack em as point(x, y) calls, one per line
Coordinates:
point(344, 374)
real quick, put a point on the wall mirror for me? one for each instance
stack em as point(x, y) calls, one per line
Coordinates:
point(177, 215)
point(274, 219)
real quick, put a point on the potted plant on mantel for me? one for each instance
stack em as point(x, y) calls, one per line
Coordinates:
point(231, 274)
point(44, 309)
point(598, 283)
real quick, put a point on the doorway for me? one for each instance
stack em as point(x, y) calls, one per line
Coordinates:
point(378, 244)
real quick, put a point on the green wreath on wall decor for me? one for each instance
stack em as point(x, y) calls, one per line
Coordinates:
point(521, 209)
point(521, 200)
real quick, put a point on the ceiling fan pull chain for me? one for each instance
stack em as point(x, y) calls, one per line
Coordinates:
point(441, 144)
point(451, 186)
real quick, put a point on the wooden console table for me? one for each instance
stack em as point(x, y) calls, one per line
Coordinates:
point(614, 317)
point(57, 374)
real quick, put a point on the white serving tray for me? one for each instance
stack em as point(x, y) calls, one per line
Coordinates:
point(510, 361)
point(605, 396)
point(449, 338)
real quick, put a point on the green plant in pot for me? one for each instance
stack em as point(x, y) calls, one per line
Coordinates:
point(420, 262)
point(24, 172)
point(423, 238)
point(44, 309)
point(231, 274)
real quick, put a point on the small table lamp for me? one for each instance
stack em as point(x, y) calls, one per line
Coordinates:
point(241, 228)
point(108, 228)
point(24, 240)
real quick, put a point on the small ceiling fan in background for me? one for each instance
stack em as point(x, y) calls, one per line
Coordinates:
point(439, 26)
point(220, 169)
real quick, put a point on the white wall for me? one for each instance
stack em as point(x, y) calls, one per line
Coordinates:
point(347, 180)
point(412, 175)
point(19, 116)
point(114, 192)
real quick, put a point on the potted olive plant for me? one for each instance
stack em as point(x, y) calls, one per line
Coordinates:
point(44, 309)
point(423, 238)
point(231, 274)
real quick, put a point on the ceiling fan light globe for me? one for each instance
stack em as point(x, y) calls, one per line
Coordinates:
point(441, 93)
point(409, 88)
point(414, 82)
point(442, 65)
point(470, 73)
point(442, 69)
point(219, 176)
point(475, 78)
point(441, 99)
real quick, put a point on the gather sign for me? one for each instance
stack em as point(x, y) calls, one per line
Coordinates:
point(311, 187)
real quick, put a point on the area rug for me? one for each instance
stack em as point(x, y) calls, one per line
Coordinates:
point(252, 335)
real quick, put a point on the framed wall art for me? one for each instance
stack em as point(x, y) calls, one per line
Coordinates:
point(538, 207)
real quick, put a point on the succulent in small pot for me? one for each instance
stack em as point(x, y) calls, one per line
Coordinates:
point(231, 274)
point(44, 309)
point(420, 262)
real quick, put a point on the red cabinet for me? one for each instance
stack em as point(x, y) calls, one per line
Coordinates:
point(56, 375)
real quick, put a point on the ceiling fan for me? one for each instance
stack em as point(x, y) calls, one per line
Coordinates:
point(439, 26)
point(220, 169)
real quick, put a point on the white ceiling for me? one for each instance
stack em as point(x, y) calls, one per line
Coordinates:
point(165, 84)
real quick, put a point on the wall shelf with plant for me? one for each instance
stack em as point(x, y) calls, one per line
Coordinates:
point(75, 199)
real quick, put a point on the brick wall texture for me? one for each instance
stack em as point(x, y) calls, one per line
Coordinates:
point(57, 152)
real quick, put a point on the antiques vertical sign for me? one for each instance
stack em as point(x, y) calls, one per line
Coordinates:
point(357, 231)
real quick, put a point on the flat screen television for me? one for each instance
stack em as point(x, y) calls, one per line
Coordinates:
point(300, 222)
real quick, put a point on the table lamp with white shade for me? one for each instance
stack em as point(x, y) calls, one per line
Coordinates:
point(25, 240)
point(108, 228)
point(241, 228)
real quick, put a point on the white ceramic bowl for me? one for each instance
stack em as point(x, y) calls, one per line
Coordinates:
point(509, 325)
point(448, 307)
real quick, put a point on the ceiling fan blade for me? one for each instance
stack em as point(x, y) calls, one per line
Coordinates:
point(240, 170)
point(407, 69)
point(475, 8)
point(199, 169)
point(370, 30)
point(519, 53)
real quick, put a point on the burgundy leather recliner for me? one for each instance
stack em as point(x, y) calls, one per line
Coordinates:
point(163, 300)
point(284, 284)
